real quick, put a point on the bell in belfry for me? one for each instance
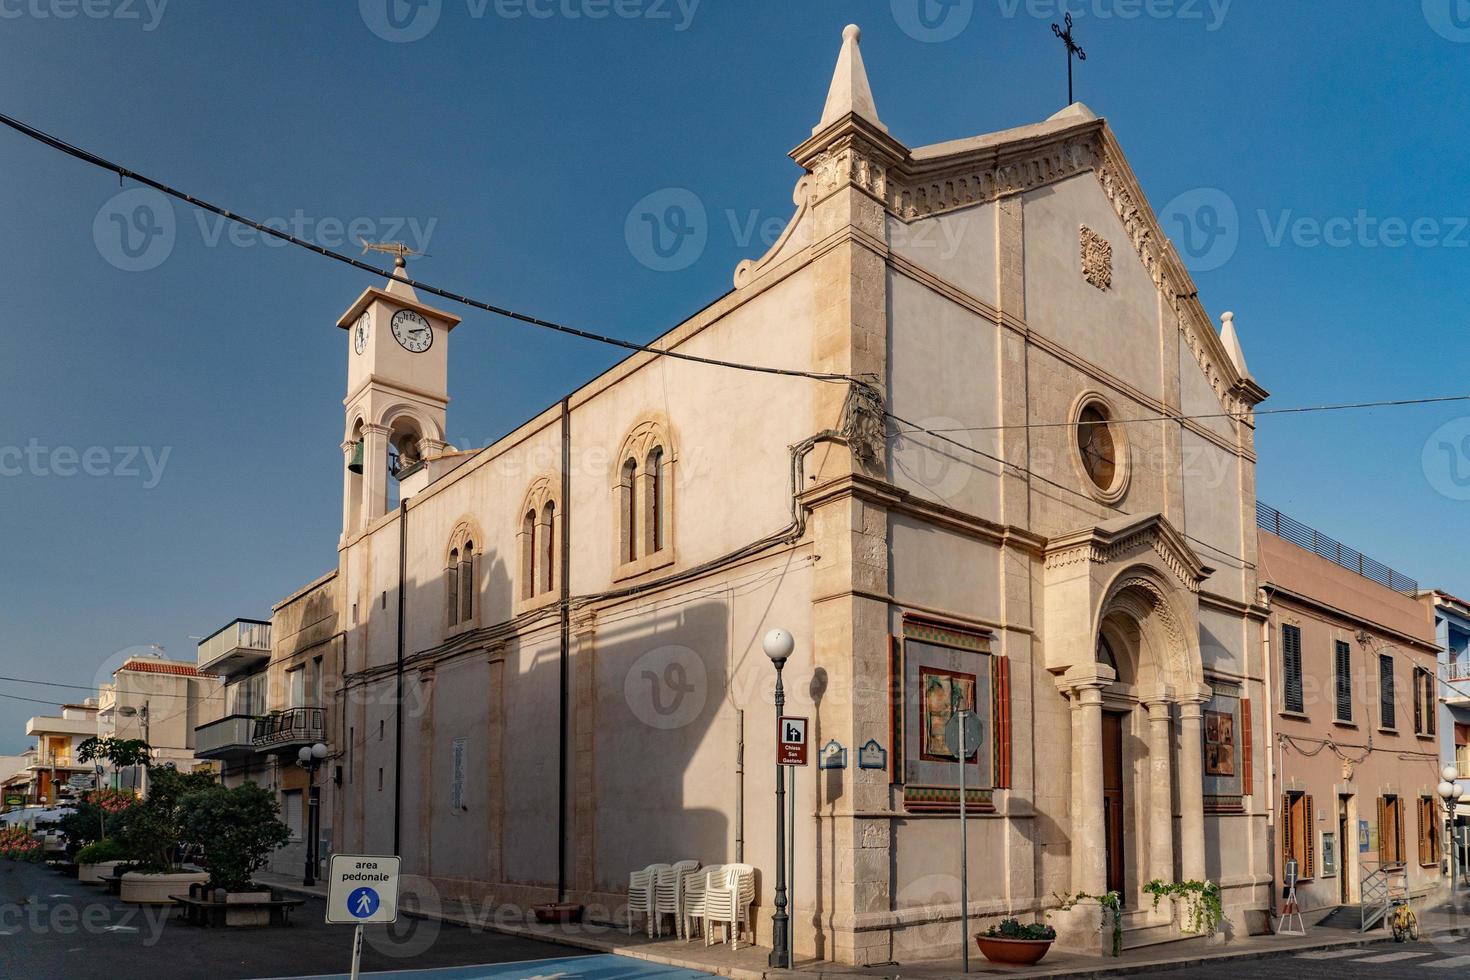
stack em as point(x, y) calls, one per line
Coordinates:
point(356, 465)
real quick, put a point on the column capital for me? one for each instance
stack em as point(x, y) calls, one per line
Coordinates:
point(1159, 695)
point(374, 429)
point(1080, 679)
point(1195, 694)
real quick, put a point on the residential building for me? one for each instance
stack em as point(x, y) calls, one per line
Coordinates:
point(547, 659)
point(1353, 727)
point(55, 764)
point(239, 653)
point(1452, 634)
point(160, 702)
point(16, 779)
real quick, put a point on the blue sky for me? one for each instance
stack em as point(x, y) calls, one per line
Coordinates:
point(1314, 150)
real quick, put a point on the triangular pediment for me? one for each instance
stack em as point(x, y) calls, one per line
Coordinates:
point(1124, 538)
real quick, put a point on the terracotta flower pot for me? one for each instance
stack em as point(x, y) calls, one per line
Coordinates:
point(557, 912)
point(1015, 952)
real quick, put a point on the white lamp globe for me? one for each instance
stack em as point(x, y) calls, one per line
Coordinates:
point(304, 753)
point(778, 645)
point(318, 751)
point(1448, 790)
point(1450, 773)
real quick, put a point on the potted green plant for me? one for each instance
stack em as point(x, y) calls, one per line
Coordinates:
point(97, 860)
point(1016, 943)
point(237, 829)
point(152, 836)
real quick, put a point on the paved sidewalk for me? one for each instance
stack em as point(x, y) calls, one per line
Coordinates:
point(749, 963)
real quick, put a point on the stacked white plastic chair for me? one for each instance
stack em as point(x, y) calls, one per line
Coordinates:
point(695, 885)
point(640, 895)
point(668, 895)
point(728, 896)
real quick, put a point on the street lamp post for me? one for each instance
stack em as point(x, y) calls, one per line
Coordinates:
point(311, 757)
point(778, 645)
point(1449, 792)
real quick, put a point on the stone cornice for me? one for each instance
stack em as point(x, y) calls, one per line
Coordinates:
point(853, 153)
point(1113, 542)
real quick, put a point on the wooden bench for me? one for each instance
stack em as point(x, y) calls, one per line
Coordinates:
point(208, 912)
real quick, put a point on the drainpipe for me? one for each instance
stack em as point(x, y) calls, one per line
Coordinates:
point(1270, 713)
point(740, 785)
point(398, 681)
point(566, 649)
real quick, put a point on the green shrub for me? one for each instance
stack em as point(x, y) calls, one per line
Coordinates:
point(105, 849)
point(1016, 929)
point(236, 828)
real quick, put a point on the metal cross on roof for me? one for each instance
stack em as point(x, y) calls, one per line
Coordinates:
point(1073, 48)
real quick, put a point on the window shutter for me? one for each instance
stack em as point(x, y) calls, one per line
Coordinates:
point(1291, 658)
point(1245, 746)
point(1285, 828)
point(1309, 823)
point(1343, 672)
point(1423, 822)
point(1399, 828)
point(1418, 701)
point(1385, 690)
point(1383, 830)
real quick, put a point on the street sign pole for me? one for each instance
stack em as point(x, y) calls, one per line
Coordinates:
point(791, 861)
point(356, 950)
point(964, 855)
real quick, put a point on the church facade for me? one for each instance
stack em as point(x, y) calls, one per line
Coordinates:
point(1009, 469)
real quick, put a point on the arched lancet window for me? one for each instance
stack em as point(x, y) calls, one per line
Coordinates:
point(548, 559)
point(528, 555)
point(630, 509)
point(657, 511)
point(467, 582)
point(451, 581)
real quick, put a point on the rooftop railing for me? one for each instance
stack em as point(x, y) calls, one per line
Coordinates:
point(1271, 519)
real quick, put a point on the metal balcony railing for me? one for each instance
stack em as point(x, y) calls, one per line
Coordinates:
point(1271, 519)
point(232, 733)
point(294, 726)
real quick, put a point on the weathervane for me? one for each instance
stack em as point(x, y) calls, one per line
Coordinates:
point(1073, 48)
point(398, 250)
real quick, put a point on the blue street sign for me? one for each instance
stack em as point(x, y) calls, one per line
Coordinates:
point(362, 903)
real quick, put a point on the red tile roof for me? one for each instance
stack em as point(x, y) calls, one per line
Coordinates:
point(146, 666)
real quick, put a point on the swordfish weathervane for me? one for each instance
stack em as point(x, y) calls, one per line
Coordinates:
point(1073, 48)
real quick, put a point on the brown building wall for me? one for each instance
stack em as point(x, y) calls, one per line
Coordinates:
point(1339, 761)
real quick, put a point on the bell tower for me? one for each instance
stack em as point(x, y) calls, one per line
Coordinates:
point(397, 393)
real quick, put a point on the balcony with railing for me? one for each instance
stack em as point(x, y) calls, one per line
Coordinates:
point(232, 735)
point(289, 729)
point(1271, 519)
point(1454, 676)
point(243, 645)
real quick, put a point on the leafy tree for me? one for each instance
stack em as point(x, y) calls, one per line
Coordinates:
point(237, 829)
point(153, 830)
point(121, 752)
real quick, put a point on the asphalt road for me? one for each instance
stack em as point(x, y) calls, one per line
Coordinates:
point(54, 928)
point(1381, 961)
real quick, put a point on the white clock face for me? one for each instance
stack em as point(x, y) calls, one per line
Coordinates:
point(360, 331)
point(412, 331)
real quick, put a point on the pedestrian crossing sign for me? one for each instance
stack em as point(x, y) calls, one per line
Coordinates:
point(362, 888)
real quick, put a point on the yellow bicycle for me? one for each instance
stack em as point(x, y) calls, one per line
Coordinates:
point(1403, 921)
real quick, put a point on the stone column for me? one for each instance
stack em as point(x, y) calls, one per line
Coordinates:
point(351, 491)
point(374, 473)
point(1161, 792)
point(1192, 785)
point(1089, 843)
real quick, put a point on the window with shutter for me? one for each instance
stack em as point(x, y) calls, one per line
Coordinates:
point(1309, 827)
point(1418, 702)
point(1431, 703)
point(1343, 680)
point(1390, 830)
point(1383, 844)
point(1291, 668)
point(451, 586)
point(1385, 690)
point(1246, 750)
point(291, 812)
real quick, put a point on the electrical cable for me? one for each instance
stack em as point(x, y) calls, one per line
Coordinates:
point(93, 159)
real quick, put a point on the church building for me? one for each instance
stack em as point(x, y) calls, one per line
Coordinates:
point(1007, 466)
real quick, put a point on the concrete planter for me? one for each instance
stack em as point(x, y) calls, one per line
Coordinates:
point(247, 917)
point(93, 874)
point(154, 889)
